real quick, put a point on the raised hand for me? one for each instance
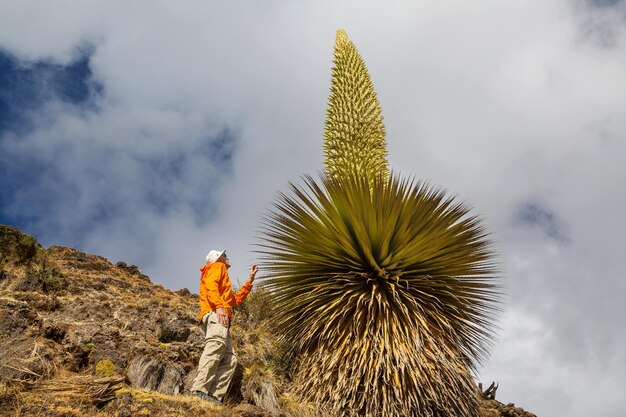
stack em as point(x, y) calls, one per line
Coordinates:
point(253, 270)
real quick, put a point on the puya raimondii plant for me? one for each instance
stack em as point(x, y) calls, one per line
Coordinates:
point(384, 287)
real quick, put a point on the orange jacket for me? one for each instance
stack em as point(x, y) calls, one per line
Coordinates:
point(216, 290)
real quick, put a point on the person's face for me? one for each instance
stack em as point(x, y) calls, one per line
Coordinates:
point(224, 259)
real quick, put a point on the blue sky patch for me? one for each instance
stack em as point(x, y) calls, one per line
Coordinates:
point(71, 189)
point(24, 87)
point(62, 185)
point(539, 216)
point(604, 3)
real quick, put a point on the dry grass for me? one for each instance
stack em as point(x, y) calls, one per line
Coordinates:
point(86, 395)
point(260, 388)
point(294, 406)
point(76, 388)
point(27, 359)
point(151, 403)
point(64, 395)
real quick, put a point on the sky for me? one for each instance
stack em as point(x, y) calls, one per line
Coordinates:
point(150, 132)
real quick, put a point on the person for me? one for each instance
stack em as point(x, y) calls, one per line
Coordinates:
point(217, 363)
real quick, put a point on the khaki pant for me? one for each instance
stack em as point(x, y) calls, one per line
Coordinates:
point(218, 361)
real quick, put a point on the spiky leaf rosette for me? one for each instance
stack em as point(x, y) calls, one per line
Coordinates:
point(354, 137)
point(385, 294)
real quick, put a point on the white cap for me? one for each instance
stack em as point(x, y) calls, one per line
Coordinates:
point(214, 255)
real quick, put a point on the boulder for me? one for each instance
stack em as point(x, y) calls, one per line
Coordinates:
point(156, 374)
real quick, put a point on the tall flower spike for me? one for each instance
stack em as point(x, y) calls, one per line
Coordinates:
point(354, 137)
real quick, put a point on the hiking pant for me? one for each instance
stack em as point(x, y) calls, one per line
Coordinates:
point(217, 362)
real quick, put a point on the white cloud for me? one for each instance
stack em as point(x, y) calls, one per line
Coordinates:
point(504, 103)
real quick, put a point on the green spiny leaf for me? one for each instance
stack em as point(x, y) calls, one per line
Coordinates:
point(386, 290)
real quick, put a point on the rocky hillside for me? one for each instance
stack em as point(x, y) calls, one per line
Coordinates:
point(81, 336)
